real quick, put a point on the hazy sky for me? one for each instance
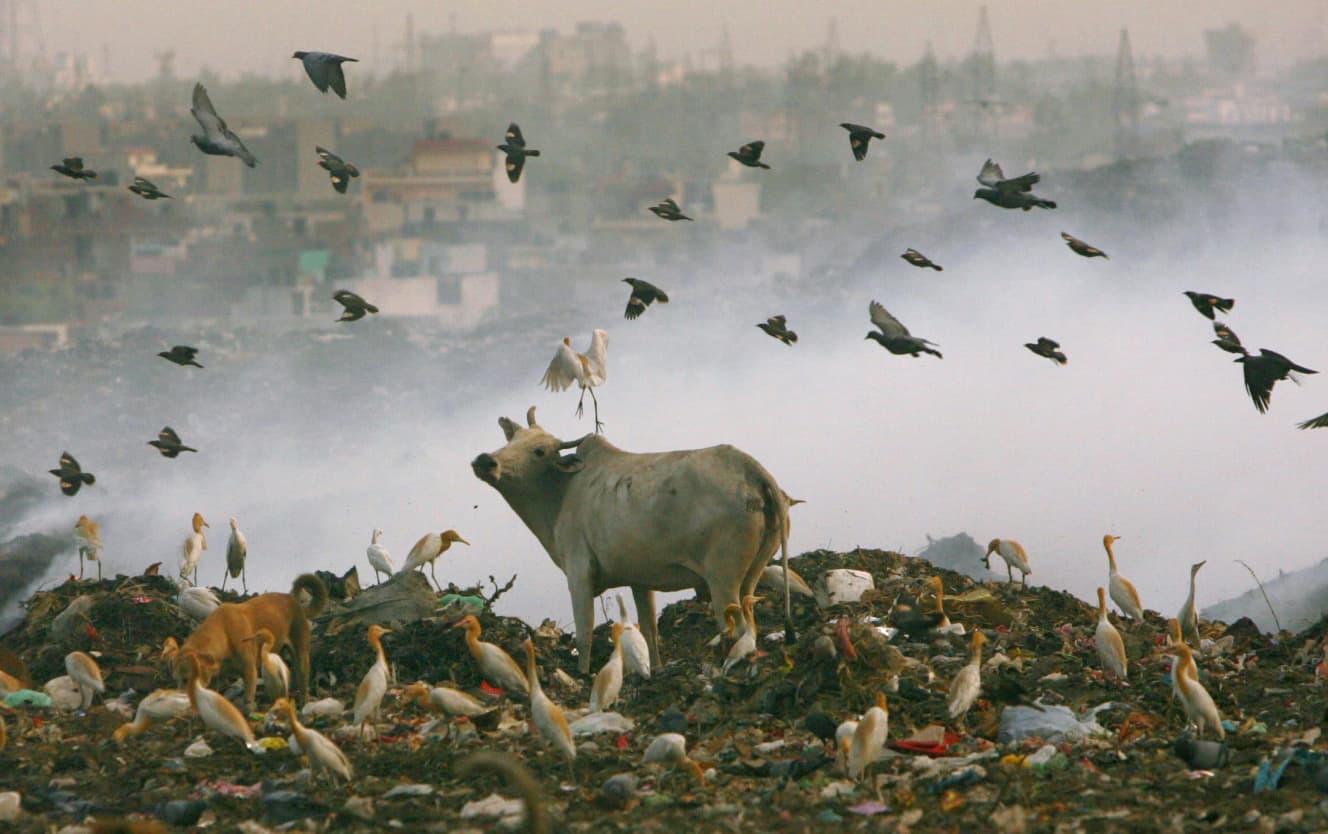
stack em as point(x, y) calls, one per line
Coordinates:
point(232, 37)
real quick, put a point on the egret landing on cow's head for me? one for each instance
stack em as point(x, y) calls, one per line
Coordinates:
point(662, 521)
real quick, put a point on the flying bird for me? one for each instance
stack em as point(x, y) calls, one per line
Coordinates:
point(1262, 371)
point(216, 139)
point(750, 155)
point(894, 336)
point(1320, 422)
point(858, 137)
point(324, 69)
point(72, 167)
point(643, 293)
point(339, 169)
point(777, 326)
point(71, 475)
point(918, 259)
point(1227, 339)
point(355, 306)
point(1205, 303)
point(145, 189)
point(668, 210)
point(1081, 248)
point(515, 148)
point(169, 444)
point(181, 355)
point(589, 369)
point(1046, 347)
point(1016, 193)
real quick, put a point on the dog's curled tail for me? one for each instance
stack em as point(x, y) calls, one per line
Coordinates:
point(317, 591)
point(519, 778)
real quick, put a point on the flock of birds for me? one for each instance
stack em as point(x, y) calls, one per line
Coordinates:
point(858, 743)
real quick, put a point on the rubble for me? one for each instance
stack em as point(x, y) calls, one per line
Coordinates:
point(1090, 754)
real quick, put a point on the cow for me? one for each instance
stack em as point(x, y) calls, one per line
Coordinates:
point(661, 521)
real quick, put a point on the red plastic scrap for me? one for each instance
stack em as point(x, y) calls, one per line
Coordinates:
point(841, 628)
point(489, 689)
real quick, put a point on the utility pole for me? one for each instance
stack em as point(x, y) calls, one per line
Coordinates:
point(1125, 100)
point(982, 66)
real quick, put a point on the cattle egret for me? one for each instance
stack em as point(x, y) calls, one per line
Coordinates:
point(1199, 706)
point(324, 756)
point(547, 715)
point(443, 699)
point(496, 665)
point(216, 712)
point(609, 680)
point(88, 536)
point(159, 705)
point(1206, 303)
point(920, 260)
point(750, 155)
point(773, 578)
point(1174, 638)
point(379, 559)
point(671, 749)
point(237, 549)
point(1014, 555)
point(1121, 589)
point(85, 672)
point(1079, 247)
point(369, 695)
point(636, 652)
point(942, 619)
point(197, 603)
point(844, 743)
point(589, 369)
point(430, 547)
point(859, 137)
point(1110, 647)
point(1189, 616)
point(869, 737)
point(194, 545)
point(1014, 193)
point(275, 672)
point(968, 682)
point(745, 645)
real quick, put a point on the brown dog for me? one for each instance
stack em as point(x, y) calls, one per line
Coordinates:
point(223, 638)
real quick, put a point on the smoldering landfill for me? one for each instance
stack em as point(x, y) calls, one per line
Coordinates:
point(1049, 743)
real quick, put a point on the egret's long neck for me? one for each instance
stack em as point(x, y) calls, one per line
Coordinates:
point(1111, 557)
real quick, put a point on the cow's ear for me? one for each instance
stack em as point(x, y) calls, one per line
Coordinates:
point(509, 427)
point(569, 464)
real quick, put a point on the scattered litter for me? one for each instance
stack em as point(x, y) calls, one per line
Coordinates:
point(1053, 723)
point(412, 789)
point(198, 750)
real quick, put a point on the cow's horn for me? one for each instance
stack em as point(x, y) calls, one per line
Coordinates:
point(530, 417)
point(572, 444)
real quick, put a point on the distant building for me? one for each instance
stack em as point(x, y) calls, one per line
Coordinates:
point(418, 277)
point(447, 180)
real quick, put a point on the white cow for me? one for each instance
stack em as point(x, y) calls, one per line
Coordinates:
point(662, 521)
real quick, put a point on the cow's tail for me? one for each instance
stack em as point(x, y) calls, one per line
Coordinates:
point(316, 590)
point(777, 514)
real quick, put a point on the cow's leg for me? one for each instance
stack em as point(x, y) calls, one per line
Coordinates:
point(645, 618)
point(583, 608)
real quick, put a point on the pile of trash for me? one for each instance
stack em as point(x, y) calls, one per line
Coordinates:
point(1051, 744)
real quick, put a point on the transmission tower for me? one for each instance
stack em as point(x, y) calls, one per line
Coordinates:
point(1125, 100)
point(20, 34)
point(831, 41)
point(982, 67)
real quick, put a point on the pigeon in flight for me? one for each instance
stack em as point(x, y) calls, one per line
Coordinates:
point(894, 336)
point(72, 167)
point(1262, 371)
point(515, 148)
point(668, 210)
point(217, 139)
point(1014, 193)
point(169, 444)
point(71, 475)
point(918, 259)
point(340, 170)
point(777, 327)
point(1081, 248)
point(146, 190)
point(1227, 339)
point(643, 293)
point(1205, 303)
point(858, 137)
point(1320, 422)
point(750, 155)
point(324, 70)
point(1046, 347)
point(355, 306)
point(181, 355)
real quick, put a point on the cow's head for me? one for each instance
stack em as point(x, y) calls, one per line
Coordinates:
point(530, 458)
